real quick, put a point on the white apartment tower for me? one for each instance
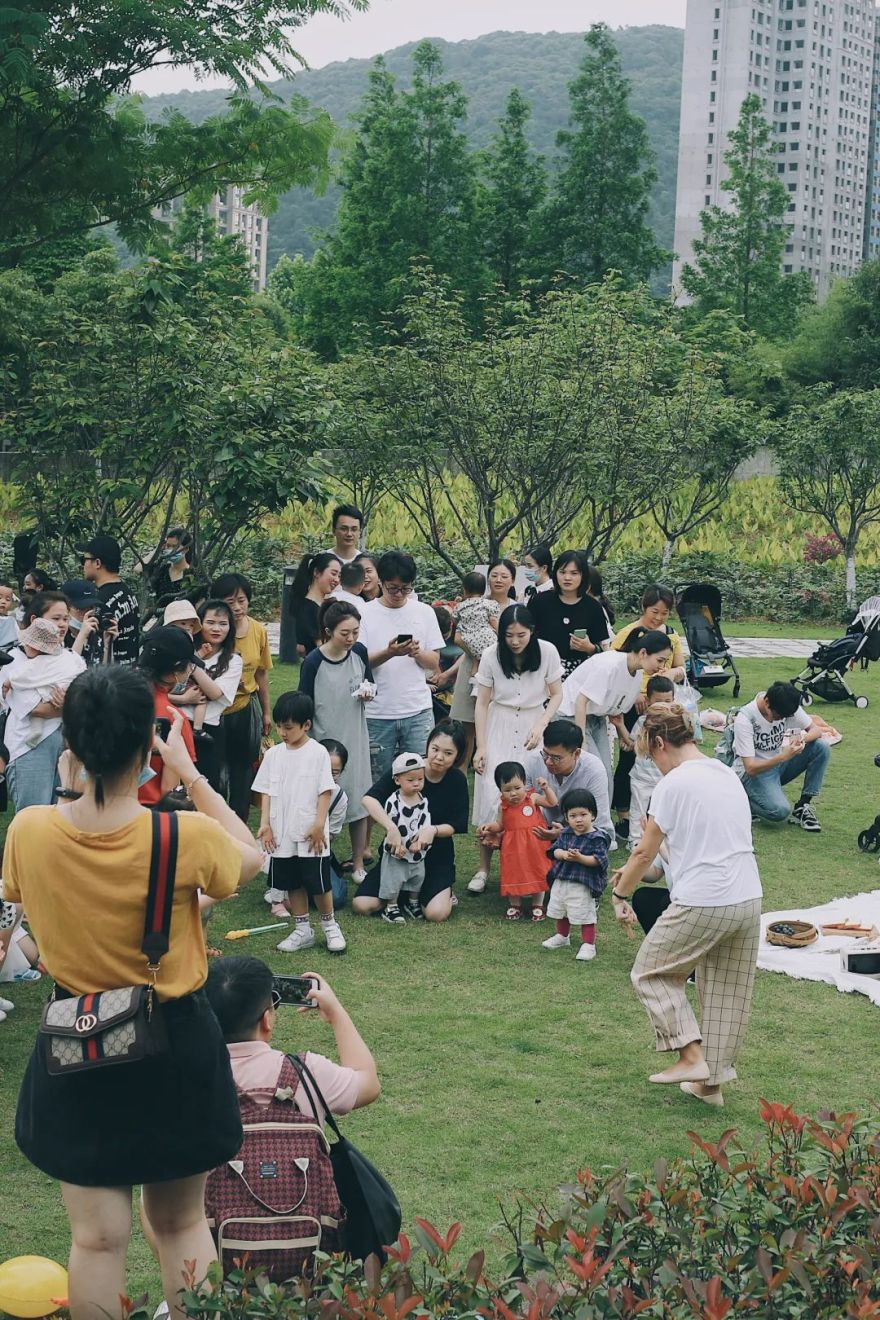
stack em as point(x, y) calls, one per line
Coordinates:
point(232, 216)
point(811, 62)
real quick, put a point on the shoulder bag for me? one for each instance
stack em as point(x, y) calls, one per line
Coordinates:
point(372, 1208)
point(125, 1025)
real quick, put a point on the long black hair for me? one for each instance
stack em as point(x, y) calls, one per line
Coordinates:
point(309, 568)
point(227, 646)
point(531, 656)
point(107, 720)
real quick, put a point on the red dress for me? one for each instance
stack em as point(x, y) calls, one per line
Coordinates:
point(524, 860)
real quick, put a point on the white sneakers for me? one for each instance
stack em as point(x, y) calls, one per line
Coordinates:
point(477, 882)
point(304, 938)
point(6, 1006)
point(273, 896)
point(557, 942)
point(586, 953)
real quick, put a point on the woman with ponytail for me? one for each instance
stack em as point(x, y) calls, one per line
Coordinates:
point(316, 578)
point(82, 870)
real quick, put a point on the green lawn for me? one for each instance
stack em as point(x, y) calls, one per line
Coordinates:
point(506, 1068)
point(763, 628)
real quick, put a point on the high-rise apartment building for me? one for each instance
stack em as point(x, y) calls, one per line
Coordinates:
point(232, 216)
point(872, 210)
point(812, 64)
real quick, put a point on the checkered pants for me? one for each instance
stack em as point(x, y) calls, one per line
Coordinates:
point(721, 943)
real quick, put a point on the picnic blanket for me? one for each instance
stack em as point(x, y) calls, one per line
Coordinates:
point(820, 961)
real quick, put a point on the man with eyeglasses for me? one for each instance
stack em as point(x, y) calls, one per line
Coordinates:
point(404, 642)
point(563, 762)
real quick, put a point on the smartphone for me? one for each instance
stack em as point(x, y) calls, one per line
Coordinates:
point(294, 990)
point(581, 633)
point(403, 637)
point(162, 727)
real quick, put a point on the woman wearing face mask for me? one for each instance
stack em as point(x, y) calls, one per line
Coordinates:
point(338, 678)
point(568, 617)
point(316, 578)
point(213, 688)
point(537, 566)
point(519, 687)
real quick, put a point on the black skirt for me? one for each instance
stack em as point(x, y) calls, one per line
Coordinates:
point(166, 1117)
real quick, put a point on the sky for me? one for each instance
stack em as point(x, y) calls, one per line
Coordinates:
point(390, 23)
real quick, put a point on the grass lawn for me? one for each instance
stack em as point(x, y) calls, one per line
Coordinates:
point(506, 1068)
point(764, 628)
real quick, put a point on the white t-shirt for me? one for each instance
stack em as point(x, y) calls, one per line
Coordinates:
point(348, 598)
point(753, 736)
point(703, 810)
point(294, 778)
point(8, 631)
point(32, 681)
point(401, 684)
point(227, 681)
point(331, 550)
point(605, 681)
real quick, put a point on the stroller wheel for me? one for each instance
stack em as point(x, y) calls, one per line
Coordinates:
point(861, 703)
point(869, 841)
point(806, 698)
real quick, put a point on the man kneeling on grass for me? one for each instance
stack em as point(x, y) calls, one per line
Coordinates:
point(766, 760)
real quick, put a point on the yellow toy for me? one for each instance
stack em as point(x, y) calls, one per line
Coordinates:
point(32, 1286)
point(254, 930)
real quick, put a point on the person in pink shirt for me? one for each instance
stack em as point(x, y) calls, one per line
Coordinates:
point(241, 995)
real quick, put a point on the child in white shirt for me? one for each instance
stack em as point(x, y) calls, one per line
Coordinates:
point(403, 863)
point(644, 776)
point(296, 783)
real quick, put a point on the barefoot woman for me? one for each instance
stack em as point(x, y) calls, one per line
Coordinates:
point(713, 923)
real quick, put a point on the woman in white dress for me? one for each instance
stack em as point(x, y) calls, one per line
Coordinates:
point(515, 679)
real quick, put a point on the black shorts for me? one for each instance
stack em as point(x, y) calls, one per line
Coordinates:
point(435, 883)
point(309, 873)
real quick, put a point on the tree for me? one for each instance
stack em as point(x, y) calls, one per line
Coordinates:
point(76, 151)
point(514, 183)
point(409, 193)
point(829, 460)
point(136, 399)
point(839, 341)
point(596, 220)
point(737, 261)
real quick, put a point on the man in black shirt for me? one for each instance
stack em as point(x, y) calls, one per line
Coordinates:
point(101, 560)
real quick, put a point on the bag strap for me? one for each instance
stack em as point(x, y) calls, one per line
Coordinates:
point(160, 895)
point(312, 1089)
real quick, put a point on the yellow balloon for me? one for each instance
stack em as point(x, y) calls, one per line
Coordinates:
point(32, 1286)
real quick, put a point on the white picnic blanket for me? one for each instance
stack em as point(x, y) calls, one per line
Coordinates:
point(820, 961)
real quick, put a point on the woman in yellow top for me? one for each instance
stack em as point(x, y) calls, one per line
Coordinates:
point(249, 717)
point(81, 869)
point(657, 603)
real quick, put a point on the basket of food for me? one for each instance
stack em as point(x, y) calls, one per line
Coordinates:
point(791, 934)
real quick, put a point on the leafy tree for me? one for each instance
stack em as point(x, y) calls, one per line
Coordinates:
point(597, 219)
point(76, 151)
point(737, 261)
point(513, 188)
point(829, 460)
point(839, 341)
point(409, 192)
point(134, 399)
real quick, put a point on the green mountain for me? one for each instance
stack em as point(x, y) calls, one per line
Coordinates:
point(540, 65)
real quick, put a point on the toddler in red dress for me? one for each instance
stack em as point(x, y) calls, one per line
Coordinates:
point(524, 860)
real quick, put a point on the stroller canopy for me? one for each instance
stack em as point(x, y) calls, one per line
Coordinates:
point(697, 596)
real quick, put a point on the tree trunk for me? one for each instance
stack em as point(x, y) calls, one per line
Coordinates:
point(851, 578)
point(668, 548)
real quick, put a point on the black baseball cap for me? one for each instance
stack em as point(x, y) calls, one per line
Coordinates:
point(169, 646)
point(82, 595)
point(105, 548)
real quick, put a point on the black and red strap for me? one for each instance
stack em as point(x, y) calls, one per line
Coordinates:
point(160, 896)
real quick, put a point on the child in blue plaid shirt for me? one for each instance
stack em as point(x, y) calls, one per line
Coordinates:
point(579, 874)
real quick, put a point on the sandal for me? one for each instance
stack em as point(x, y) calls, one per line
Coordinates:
point(538, 914)
point(514, 914)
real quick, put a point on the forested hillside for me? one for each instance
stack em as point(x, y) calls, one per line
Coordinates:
point(540, 65)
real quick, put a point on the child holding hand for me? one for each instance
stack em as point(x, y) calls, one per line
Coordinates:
point(296, 783)
point(579, 874)
point(409, 836)
point(523, 855)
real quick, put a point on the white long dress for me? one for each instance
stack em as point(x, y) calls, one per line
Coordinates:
point(517, 703)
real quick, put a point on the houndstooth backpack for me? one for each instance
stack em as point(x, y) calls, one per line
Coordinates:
point(277, 1200)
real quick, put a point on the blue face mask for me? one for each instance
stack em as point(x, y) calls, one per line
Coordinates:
point(174, 556)
point(530, 574)
point(74, 624)
point(145, 776)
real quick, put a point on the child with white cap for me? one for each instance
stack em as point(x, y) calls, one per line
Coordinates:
point(408, 838)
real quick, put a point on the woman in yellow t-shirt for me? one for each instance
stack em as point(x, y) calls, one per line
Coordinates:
point(656, 603)
point(81, 870)
point(249, 717)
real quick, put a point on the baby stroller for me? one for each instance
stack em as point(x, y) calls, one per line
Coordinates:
point(869, 839)
point(824, 673)
point(699, 608)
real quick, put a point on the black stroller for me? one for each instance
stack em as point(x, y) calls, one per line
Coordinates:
point(824, 674)
point(710, 662)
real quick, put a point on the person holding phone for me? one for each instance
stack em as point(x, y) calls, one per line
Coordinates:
point(567, 616)
point(167, 658)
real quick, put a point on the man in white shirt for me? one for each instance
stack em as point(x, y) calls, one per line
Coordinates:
point(348, 524)
point(765, 759)
point(404, 642)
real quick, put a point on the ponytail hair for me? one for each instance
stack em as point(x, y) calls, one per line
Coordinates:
point(332, 613)
point(107, 719)
point(671, 723)
point(309, 568)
